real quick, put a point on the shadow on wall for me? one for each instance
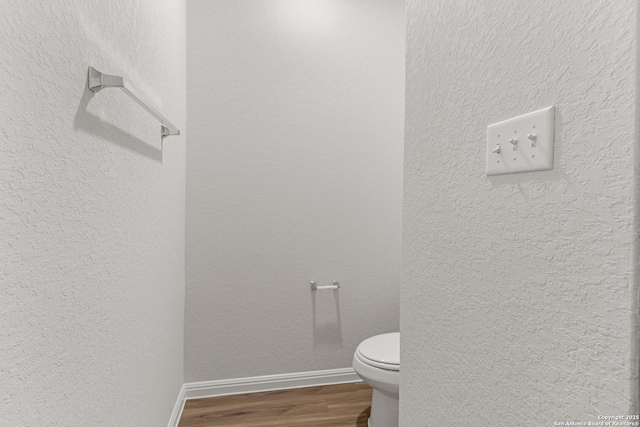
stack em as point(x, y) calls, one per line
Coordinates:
point(327, 326)
point(94, 125)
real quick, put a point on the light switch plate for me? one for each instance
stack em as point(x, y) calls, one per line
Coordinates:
point(521, 144)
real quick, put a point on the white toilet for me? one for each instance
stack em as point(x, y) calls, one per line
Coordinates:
point(377, 362)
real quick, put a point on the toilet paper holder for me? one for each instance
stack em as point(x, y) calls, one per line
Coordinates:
point(334, 286)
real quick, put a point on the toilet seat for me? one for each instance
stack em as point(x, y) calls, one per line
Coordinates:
point(376, 364)
point(381, 351)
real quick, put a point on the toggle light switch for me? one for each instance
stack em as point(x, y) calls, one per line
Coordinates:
point(538, 127)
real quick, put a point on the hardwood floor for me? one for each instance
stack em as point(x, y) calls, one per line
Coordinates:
point(341, 405)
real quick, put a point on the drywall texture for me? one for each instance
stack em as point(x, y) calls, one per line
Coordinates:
point(91, 214)
point(516, 297)
point(294, 174)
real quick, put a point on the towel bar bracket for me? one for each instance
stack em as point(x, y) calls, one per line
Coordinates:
point(98, 80)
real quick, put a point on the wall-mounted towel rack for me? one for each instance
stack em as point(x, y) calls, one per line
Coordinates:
point(99, 81)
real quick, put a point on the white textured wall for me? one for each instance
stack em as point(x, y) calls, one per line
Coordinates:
point(91, 214)
point(516, 304)
point(294, 173)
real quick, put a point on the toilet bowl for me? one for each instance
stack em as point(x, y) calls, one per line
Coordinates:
point(377, 362)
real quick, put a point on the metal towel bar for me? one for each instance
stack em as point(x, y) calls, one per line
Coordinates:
point(99, 81)
point(315, 287)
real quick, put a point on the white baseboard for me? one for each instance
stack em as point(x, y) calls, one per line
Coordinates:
point(177, 409)
point(202, 389)
point(269, 382)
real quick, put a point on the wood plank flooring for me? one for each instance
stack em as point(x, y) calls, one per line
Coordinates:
point(341, 405)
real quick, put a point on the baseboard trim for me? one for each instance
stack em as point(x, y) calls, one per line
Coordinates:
point(177, 408)
point(269, 382)
point(198, 390)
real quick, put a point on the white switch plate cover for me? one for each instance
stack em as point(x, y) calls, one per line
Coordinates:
point(533, 147)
